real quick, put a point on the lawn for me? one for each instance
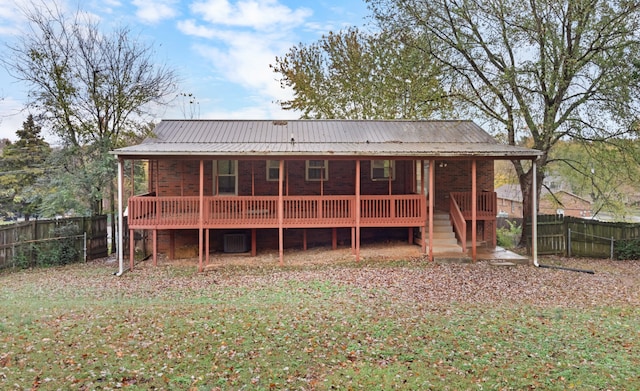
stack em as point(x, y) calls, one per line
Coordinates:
point(408, 325)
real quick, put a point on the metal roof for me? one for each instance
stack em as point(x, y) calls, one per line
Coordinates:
point(322, 137)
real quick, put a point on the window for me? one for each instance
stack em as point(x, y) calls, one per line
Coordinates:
point(273, 170)
point(317, 170)
point(383, 170)
point(227, 176)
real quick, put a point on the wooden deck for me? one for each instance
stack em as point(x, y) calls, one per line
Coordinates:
point(409, 210)
point(146, 212)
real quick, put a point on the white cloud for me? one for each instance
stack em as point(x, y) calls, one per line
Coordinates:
point(262, 15)
point(244, 39)
point(190, 27)
point(11, 18)
point(245, 60)
point(11, 118)
point(154, 11)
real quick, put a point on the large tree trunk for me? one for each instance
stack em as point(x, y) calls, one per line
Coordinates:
point(526, 187)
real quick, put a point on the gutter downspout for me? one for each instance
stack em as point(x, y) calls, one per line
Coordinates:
point(121, 269)
point(534, 231)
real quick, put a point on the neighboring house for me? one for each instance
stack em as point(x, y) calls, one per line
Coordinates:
point(509, 201)
point(561, 202)
point(225, 185)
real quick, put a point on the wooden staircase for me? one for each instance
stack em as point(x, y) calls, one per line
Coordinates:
point(444, 239)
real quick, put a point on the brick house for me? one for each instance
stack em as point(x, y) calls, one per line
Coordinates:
point(509, 201)
point(241, 185)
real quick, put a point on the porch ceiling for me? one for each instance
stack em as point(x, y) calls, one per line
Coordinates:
point(323, 138)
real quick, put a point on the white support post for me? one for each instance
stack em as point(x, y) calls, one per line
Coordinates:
point(534, 215)
point(120, 223)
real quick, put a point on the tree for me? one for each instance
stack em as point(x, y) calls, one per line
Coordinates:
point(600, 172)
point(545, 70)
point(23, 162)
point(354, 75)
point(94, 89)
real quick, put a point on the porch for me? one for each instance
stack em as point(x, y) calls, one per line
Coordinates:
point(229, 212)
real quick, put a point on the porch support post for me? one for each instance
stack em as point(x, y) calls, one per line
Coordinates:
point(334, 238)
point(474, 212)
point(206, 246)
point(120, 222)
point(534, 214)
point(172, 244)
point(432, 196)
point(353, 241)
point(304, 239)
point(425, 208)
point(357, 207)
point(132, 245)
point(281, 213)
point(254, 245)
point(201, 217)
point(155, 247)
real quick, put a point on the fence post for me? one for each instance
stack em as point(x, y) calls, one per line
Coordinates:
point(85, 242)
point(612, 240)
point(569, 242)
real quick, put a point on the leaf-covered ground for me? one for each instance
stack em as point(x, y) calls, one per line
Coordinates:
point(330, 325)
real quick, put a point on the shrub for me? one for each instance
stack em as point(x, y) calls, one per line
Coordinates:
point(509, 237)
point(627, 249)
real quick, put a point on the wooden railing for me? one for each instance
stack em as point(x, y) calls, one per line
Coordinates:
point(399, 210)
point(262, 211)
point(459, 222)
point(486, 204)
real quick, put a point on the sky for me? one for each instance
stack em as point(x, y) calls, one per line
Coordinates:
point(221, 49)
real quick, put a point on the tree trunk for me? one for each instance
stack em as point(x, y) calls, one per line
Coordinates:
point(526, 187)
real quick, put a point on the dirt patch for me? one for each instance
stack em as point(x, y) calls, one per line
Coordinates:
point(316, 255)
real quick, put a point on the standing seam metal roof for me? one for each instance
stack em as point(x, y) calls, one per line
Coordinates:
point(337, 137)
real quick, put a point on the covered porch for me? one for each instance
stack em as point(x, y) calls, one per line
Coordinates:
point(154, 212)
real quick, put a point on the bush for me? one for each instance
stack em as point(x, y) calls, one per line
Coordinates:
point(627, 249)
point(52, 252)
point(509, 237)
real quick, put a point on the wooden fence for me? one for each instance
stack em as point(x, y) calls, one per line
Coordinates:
point(572, 236)
point(15, 237)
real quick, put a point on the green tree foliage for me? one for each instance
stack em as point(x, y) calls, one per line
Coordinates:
point(605, 173)
point(542, 70)
point(354, 75)
point(95, 91)
point(23, 162)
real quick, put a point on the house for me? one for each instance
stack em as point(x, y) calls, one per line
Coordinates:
point(562, 202)
point(236, 185)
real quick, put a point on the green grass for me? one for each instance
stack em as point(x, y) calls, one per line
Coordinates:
point(78, 327)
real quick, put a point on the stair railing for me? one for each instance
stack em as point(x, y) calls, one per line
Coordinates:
point(458, 221)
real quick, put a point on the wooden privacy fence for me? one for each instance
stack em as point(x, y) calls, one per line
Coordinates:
point(572, 236)
point(85, 237)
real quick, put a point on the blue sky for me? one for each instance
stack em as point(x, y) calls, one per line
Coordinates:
point(220, 48)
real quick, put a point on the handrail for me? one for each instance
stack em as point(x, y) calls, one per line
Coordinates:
point(459, 222)
point(486, 204)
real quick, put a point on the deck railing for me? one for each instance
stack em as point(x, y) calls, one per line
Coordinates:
point(299, 211)
point(262, 211)
point(486, 204)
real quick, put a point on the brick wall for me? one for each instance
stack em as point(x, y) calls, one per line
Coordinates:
point(181, 178)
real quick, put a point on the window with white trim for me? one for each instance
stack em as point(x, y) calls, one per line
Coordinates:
point(317, 170)
point(227, 177)
point(273, 170)
point(383, 170)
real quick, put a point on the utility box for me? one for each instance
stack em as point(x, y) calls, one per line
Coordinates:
point(235, 243)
